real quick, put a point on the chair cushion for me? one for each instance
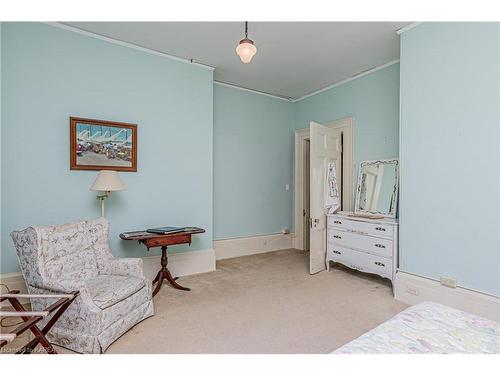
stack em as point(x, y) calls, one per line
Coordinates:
point(106, 290)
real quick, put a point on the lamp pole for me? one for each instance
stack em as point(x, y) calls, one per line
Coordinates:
point(106, 182)
point(102, 197)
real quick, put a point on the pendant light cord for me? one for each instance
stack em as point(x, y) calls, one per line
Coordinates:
point(246, 29)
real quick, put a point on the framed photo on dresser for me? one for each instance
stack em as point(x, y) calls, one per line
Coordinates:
point(98, 144)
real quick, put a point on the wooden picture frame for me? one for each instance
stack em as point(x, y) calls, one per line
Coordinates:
point(98, 144)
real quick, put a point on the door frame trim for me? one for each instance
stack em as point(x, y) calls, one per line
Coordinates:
point(346, 127)
point(300, 137)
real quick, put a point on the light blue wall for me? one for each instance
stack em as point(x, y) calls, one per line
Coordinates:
point(49, 74)
point(450, 119)
point(373, 101)
point(253, 147)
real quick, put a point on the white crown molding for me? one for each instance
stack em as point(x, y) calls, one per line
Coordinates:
point(407, 27)
point(231, 85)
point(157, 53)
point(212, 68)
point(356, 76)
point(128, 45)
point(292, 100)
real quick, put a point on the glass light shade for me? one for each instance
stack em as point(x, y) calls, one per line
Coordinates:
point(108, 181)
point(246, 50)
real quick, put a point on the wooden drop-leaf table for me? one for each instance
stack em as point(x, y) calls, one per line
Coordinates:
point(151, 240)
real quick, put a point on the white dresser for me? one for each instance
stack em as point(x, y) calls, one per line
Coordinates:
point(366, 245)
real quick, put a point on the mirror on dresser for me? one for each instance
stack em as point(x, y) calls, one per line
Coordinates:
point(377, 190)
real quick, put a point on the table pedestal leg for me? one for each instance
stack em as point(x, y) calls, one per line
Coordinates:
point(164, 274)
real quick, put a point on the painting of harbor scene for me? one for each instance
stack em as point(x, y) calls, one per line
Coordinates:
point(97, 144)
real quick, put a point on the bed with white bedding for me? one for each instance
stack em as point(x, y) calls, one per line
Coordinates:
point(429, 328)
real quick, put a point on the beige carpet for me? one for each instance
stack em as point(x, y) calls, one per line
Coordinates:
point(266, 303)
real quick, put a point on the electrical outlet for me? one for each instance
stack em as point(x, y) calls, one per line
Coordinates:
point(448, 281)
point(411, 290)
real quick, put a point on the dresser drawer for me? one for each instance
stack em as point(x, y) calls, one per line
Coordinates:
point(362, 227)
point(361, 261)
point(375, 245)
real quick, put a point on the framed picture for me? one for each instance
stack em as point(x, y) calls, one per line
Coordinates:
point(97, 144)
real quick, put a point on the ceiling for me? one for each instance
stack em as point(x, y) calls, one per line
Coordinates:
point(293, 58)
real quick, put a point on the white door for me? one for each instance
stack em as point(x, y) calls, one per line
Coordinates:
point(306, 197)
point(324, 148)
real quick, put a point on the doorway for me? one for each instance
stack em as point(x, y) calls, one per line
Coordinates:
point(303, 178)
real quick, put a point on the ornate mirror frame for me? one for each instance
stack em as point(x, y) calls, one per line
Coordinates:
point(394, 199)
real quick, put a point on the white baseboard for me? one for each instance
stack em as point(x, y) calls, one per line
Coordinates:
point(295, 245)
point(179, 264)
point(237, 247)
point(413, 289)
point(182, 264)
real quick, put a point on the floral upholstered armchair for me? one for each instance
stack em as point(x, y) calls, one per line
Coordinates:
point(114, 294)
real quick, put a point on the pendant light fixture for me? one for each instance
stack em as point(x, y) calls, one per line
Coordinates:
point(246, 49)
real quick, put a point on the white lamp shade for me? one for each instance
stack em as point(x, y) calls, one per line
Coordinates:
point(246, 50)
point(108, 181)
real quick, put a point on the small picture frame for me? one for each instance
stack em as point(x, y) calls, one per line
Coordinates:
point(98, 144)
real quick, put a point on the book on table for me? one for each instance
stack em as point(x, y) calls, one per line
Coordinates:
point(166, 230)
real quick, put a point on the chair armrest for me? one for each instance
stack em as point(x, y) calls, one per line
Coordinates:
point(66, 286)
point(83, 314)
point(62, 285)
point(124, 267)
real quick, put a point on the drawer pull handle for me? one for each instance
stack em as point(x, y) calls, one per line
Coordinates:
point(380, 228)
point(358, 231)
point(380, 245)
point(337, 222)
point(337, 236)
point(337, 252)
point(380, 264)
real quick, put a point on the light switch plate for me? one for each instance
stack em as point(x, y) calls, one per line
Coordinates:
point(410, 289)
